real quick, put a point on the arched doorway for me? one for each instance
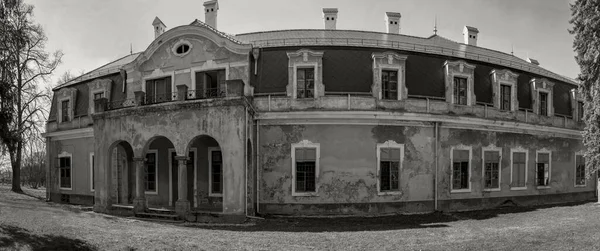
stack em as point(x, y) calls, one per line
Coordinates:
point(206, 185)
point(122, 170)
point(157, 178)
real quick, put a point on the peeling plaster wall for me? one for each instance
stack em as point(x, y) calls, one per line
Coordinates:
point(80, 167)
point(347, 179)
point(348, 163)
point(180, 123)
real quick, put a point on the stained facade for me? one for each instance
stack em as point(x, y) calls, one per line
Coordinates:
point(314, 122)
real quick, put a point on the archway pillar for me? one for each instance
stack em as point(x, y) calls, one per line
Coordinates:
point(139, 203)
point(182, 205)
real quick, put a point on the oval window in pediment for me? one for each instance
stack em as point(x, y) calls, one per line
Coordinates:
point(181, 48)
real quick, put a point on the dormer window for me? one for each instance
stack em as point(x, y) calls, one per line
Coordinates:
point(181, 48)
point(305, 68)
point(504, 87)
point(388, 76)
point(459, 82)
point(541, 96)
point(65, 106)
point(65, 99)
point(577, 105)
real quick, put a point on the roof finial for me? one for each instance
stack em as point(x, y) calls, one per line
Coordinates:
point(435, 26)
point(512, 49)
point(130, 48)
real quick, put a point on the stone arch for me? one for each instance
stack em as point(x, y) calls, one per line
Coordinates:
point(121, 172)
point(206, 190)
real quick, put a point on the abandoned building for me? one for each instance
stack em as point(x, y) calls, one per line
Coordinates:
point(314, 122)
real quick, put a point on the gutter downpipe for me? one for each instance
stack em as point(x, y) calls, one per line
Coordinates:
point(257, 178)
point(436, 151)
point(246, 158)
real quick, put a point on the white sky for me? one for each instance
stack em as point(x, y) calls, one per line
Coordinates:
point(92, 33)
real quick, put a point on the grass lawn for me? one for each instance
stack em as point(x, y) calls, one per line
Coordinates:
point(28, 223)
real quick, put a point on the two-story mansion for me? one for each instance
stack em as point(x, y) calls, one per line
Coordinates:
point(314, 122)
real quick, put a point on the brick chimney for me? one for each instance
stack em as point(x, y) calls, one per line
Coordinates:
point(330, 18)
point(470, 34)
point(210, 13)
point(392, 21)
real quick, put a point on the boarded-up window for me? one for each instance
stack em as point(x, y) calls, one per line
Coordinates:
point(519, 167)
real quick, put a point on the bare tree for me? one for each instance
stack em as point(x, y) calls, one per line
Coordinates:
point(26, 64)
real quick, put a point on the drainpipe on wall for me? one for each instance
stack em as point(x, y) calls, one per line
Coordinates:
point(246, 158)
point(436, 156)
point(257, 168)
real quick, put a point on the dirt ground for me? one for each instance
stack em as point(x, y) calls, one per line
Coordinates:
point(29, 223)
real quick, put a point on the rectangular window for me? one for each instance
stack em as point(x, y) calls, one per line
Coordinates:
point(519, 169)
point(543, 103)
point(389, 179)
point(305, 83)
point(98, 95)
point(216, 172)
point(460, 91)
point(305, 169)
point(210, 84)
point(65, 110)
point(92, 164)
point(65, 172)
point(491, 169)
point(579, 170)
point(505, 97)
point(158, 90)
point(580, 110)
point(543, 169)
point(460, 169)
point(151, 175)
point(389, 84)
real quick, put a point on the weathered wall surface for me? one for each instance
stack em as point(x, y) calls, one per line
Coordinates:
point(347, 181)
point(180, 122)
point(80, 150)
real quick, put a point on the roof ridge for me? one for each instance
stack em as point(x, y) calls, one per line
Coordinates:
point(74, 80)
point(223, 34)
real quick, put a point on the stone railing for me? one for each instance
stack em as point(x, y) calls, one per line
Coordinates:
point(278, 102)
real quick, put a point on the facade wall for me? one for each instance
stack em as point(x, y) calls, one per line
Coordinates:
point(80, 150)
point(348, 167)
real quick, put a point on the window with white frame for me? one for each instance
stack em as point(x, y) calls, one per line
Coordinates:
point(461, 169)
point(491, 168)
point(215, 175)
point(305, 168)
point(518, 173)
point(92, 164)
point(388, 76)
point(151, 179)
point(542, 168)
point(305, 71)
point(579, 170)
point(389, 165)
point(459, 81)
point(65, 167)
point(504, 87)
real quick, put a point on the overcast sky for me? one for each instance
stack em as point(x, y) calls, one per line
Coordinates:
point(93, 33)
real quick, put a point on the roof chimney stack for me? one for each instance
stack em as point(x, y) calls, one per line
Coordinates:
point(330, 18)
point(159, 27)
point(210, 13)
point(392, 20)
point(470, 34)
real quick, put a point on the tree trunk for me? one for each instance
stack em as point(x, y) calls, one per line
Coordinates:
point(15, 162)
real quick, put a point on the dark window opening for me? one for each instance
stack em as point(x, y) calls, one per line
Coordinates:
point(505, 97)
point(93, 168)
point(460, 169)
point(327, 18)
point(391, 22)
point(65, 107)
point(65, 172)
point(579, 170)
point(305, 159)
point(389, 85)
point(580, 110)
point(492, 169)
point(332, 18)
point(216, 164)
point(543, 103)
point(184, 48)
point(460, 91)
point(150, 172)
point(209, 84)
point(543, 169)
point(158, 90)
point(389, 179)
point(98, 95)
point(519, 169)
point(305, 83)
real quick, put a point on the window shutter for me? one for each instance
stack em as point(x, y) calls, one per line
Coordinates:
point(221, 80)
point(199, 84)
point(168, 85)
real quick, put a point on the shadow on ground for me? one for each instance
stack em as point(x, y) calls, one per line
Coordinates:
point(18, 238)
point(383, 223)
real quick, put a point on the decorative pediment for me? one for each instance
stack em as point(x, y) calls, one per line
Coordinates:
point(459, 66)
point(306, 54)
point(388, 57)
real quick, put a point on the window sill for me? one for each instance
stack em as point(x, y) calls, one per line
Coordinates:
point(305, 194)
point(385, 193)
point(492, 189)
point(151, 192)
point(461, 191)
point(66, 188)
point(581, 186)
point(518, 188)
point(543, 187)
point(215, 195)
